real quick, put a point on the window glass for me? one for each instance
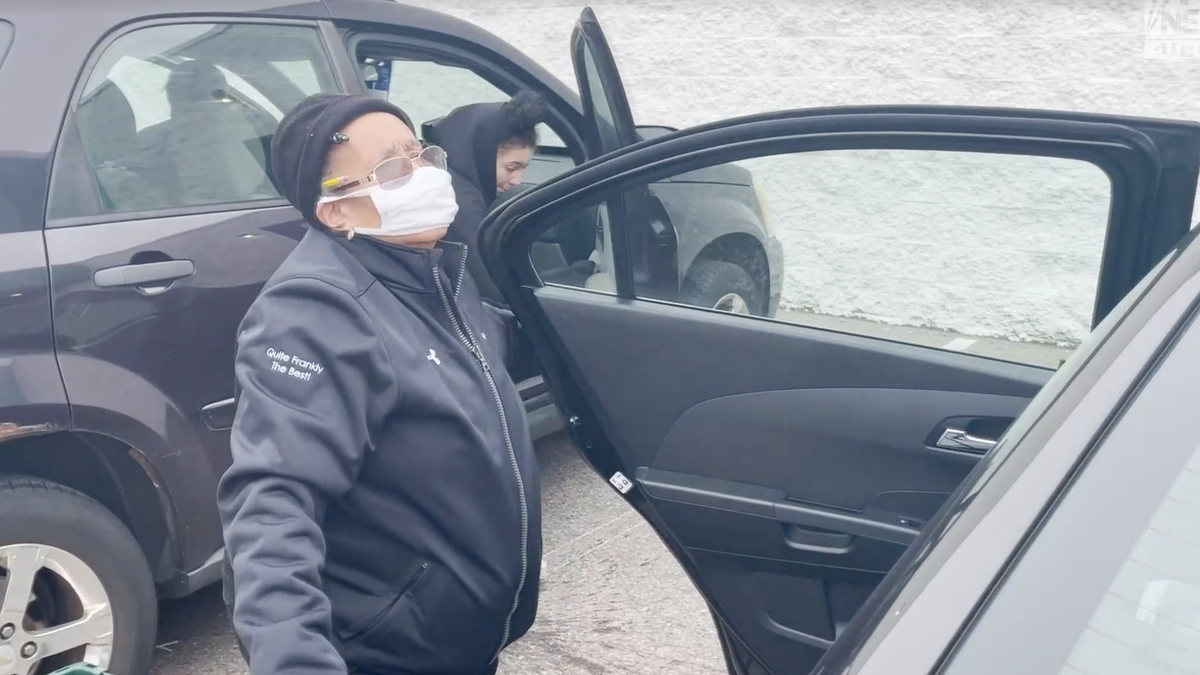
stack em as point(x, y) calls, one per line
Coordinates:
point(427, 90)
point(303, 74)
point(988, 254)
point(182, 115)
point(602, 107)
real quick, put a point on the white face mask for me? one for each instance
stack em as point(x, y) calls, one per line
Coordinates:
point(426, 202)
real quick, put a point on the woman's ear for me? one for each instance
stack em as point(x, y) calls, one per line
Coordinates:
point(333, 216)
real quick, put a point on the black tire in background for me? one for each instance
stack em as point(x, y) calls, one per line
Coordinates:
point(34, 511)
point(711, 283)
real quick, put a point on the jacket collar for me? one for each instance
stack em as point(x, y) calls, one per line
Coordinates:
point(405, 267)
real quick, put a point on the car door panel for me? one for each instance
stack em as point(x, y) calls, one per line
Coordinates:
point(767, 475)
point(844, 368)
point(174, 413)
point(867, 440)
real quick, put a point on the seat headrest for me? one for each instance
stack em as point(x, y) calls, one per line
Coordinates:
point(195, 82)
point(107, 123)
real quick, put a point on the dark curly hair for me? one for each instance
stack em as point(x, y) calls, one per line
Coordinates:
point(519, 120)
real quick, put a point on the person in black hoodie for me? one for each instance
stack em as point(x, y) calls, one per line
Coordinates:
point(488, 146)
point(382, 511)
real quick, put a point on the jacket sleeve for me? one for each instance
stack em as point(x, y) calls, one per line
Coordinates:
point(314, 380)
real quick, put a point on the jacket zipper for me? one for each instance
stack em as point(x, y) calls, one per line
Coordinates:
point(468, 339)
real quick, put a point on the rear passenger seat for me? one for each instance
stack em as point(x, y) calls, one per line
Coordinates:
point(212, 168)
point(109, 126)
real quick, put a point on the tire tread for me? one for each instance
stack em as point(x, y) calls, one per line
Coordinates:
point(132, 574)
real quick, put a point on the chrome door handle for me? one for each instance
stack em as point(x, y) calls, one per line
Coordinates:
point(151, 277)
point(961, 441)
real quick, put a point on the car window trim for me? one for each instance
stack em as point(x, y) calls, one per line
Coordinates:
point(85, 73)
point(487, 66)
point(344, 68)
point(979, 545)
point(1183, 339)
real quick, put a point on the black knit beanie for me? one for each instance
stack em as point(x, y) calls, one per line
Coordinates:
point(302, 141)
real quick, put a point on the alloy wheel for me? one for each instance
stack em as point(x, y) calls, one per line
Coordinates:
point(54, 611)
point(733, 303)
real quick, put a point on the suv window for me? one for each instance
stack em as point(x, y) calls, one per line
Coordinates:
point(182, 115)
point(427, 90)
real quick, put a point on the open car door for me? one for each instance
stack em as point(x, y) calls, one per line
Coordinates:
point(788, 462)
point(606, 110)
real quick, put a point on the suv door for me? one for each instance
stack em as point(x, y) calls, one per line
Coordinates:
point(162, 226)
point(788, 463)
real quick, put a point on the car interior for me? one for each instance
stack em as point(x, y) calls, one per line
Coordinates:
point(198, 90)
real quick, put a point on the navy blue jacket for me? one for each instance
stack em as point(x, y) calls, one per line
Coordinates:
point(382, 511)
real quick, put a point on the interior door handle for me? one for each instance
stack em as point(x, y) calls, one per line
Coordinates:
point(818, 542)
point(961, 441)
point(151, 276)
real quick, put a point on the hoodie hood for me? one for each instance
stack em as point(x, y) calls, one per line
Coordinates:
point(471, 138)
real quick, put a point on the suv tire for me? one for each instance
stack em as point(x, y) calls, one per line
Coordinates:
point(716, 284)
point(75, 531)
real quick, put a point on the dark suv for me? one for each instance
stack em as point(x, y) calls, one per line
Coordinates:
point(137, 223)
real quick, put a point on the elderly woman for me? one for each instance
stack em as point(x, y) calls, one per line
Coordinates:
point(381, 514)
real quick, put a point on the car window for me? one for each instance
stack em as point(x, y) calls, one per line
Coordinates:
point(427, 90)
point(303, 74)
point(1110, 584)
point(601, 106)
point(182, 115)
point(996, 255)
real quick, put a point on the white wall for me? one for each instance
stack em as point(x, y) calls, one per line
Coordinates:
point(1019, 262)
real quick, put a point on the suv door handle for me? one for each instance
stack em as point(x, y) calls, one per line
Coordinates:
point(961, 441)
point(151, 277)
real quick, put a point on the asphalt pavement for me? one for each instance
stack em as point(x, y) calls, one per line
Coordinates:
point(613, 598)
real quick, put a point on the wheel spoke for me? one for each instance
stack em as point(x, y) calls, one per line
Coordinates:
point(22, 564)
point(95, 628)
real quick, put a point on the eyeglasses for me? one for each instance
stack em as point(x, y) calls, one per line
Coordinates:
point(388, 174)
